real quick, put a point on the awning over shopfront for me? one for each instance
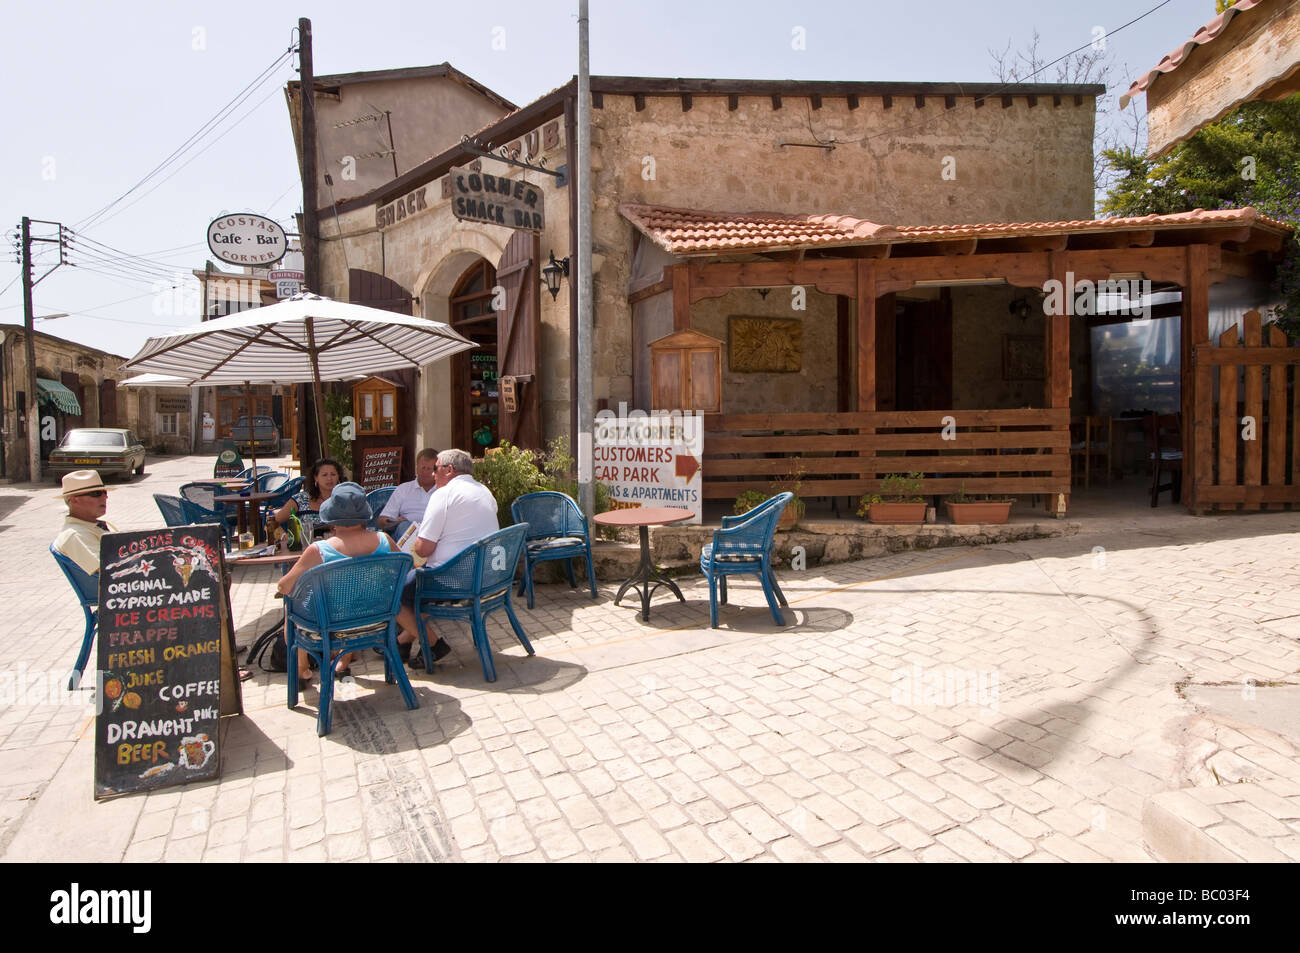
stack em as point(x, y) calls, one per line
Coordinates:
point(52, 392)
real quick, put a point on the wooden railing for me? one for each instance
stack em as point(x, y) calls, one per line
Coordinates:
point(1006, 452)
point(1245, 450)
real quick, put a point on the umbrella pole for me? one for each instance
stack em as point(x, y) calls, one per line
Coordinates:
point(320, 398)
point(252, 430)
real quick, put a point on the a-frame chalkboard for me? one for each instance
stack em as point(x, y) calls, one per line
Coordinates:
point(166, 659)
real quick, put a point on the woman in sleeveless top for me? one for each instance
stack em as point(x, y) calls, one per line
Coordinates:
point(346, 512)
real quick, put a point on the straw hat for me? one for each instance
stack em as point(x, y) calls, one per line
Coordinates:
point(82, 481)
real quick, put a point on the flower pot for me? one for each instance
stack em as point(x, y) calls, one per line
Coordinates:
point(790, 515)
point(982, 512)
point(896, 513)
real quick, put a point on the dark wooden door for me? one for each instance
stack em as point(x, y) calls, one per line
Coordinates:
point(518, 337)
point(108, 403)
point(924, 348)
point(377, 291)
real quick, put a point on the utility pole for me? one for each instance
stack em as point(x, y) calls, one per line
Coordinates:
point(29, 325)
point(586, 399)
point(310, 222)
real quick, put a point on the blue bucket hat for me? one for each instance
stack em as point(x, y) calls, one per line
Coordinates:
point(347, 506)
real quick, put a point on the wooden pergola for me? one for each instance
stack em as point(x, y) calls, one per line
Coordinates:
point(1001, 451)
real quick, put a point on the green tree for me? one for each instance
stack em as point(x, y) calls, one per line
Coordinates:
point(1251, 157)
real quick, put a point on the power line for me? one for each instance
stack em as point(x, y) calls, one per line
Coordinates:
point(238, 99)
point(87, 245)
point(229, 129)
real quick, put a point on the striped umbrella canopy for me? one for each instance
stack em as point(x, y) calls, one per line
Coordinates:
point(303, 338)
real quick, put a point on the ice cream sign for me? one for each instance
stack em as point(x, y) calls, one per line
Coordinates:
point(246, 239)
point(650, 459)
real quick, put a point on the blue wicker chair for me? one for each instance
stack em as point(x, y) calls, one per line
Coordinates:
point(283, 494)
point(87, 590)
point(172, 509)
point(194, 513)
point(476, 581)
point(744, 547)
point(341, 607)
point(557, 530)
point(269, 482)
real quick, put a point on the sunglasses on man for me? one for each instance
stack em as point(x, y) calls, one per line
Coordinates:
point(94, 494)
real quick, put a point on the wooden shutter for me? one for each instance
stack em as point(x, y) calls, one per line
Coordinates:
point(378, 291)
point(518, 337)
point(108, 404)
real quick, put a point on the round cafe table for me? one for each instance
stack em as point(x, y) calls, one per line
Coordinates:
point(247, 512)
point(643, 517)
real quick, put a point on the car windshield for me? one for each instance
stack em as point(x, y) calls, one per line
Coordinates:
point(257, 422)
point(96, 439)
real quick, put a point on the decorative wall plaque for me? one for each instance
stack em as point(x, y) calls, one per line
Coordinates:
point(772, 345)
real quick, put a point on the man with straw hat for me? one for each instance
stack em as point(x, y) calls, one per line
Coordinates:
point(87, 500)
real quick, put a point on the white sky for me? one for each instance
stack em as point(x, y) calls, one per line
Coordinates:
point(101, 93)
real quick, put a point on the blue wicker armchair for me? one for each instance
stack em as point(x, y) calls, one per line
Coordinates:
point(475, 582)
point(557, 530)
point(744, 547)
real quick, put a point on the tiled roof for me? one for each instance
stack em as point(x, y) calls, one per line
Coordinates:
point(692, 231)
point(1202, 36)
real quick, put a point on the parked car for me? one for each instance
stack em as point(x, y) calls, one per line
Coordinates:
point(265, 434)
point(104, 449)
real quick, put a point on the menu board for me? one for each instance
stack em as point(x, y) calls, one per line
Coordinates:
point(159, 679)
point(379, 466)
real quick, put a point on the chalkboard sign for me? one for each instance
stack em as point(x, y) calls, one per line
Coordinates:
point(161, 635)
point(379, 466)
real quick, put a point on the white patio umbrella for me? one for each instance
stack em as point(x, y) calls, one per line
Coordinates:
point(303, 338)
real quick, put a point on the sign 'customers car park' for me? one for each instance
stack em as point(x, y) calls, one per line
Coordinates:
point(496, 200)
point(247, 239)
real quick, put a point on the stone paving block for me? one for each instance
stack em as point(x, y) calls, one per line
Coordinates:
point(600, 838)
point(733, 840)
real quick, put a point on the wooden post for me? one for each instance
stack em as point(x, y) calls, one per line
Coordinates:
point(1057, 353)
point(866, 341)
point(866, 305)
point(681, 297)
point(1197, 405)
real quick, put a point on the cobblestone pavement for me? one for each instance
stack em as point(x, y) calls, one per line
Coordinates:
point(1018, 702)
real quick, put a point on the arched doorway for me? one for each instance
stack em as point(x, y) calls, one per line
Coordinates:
point(474, 388)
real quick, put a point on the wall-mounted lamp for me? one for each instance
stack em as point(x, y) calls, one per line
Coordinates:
point(553, 272)
point(1020, 308)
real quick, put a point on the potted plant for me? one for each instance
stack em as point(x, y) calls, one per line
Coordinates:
point(748, 500)
point(792, 482)
point(899, 500)
point(983, 509)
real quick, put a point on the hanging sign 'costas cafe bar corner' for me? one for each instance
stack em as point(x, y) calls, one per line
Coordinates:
point(495, 200)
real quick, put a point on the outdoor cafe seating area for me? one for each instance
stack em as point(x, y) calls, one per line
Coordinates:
point(350, 605)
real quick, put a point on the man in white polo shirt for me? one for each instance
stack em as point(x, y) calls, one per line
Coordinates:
point(461, 511)
point(410, 500)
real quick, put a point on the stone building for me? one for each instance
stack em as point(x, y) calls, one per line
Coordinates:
point(901, 153)
point(825, 269)
point(79, 386)
point(374, 126)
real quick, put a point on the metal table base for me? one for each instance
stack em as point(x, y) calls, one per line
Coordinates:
point(644, 575)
